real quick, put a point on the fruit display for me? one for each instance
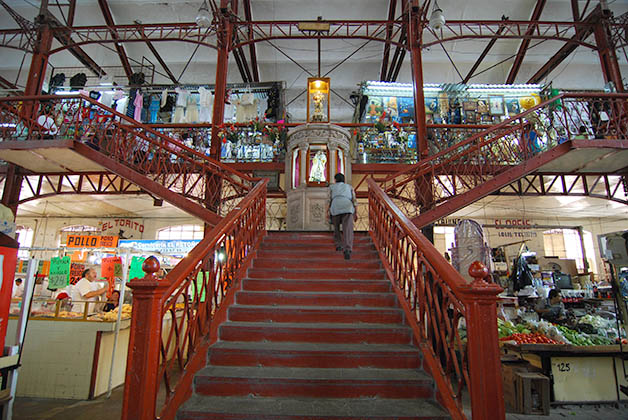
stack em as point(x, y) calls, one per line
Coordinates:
point(532, 338)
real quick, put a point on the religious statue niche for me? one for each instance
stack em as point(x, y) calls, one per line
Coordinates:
point(318, 165)
point(318, 99)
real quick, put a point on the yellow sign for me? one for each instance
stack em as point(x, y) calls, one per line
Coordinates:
point(91, 241)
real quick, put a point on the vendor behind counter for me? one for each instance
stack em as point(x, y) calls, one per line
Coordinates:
point(552, 308)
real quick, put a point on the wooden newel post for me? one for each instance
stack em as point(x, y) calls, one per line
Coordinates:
point(486, 388)
point(142, 382)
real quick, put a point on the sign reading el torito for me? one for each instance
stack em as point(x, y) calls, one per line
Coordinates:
point(91, 241)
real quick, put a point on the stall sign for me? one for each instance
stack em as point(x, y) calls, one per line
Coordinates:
point(79, 256)
point(125, 228)
point(43, 269)
point(108, 267)
point(136, 268)
point(59, 273)
point(179, 247)
point(513, 223)
point(91, 241)
point(76, 272)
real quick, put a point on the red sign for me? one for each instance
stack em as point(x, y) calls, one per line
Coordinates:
point(76, 272)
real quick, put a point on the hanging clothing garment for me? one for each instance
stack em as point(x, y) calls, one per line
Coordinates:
point(139, 103)
point(246, 108)
point(192, 109)
point(182, 101)
point(228, 112)
point(206, 104)
point(130, 109)
point(154, 108)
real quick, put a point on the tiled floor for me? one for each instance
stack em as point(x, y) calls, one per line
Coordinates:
point(110, 409)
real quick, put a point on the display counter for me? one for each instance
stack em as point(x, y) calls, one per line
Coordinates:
point(70, 359)
point(577, 373)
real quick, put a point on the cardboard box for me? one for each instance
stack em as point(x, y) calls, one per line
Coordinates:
point(526, 390)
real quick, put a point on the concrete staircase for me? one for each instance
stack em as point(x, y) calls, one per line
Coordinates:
point(313, 336)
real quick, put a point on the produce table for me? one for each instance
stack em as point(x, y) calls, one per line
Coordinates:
point(577, 373)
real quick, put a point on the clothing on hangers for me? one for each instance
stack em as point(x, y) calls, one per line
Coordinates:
point(206, 104)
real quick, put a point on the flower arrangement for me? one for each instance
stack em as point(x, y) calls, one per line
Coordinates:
point(228, 133)
point(382, 124)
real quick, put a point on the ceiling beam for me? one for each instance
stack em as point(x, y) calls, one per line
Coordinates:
point(575, 11)
point(71, 13)
point(392, 6)
point(566, 50)
point(64, 38)
point(485, 52)
point(525, 43)
point(5, 84)
point(124, 59)
point(252, 48)
point(163, 64)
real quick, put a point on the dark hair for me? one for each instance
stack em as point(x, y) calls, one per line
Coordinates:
point(582, 129)
point(85, 272)
point(553, 293)
point(339, 178)
point(115, 291)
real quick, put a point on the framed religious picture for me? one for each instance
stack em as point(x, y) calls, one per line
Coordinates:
point(469, 116)
point(482, 106)
point(431, 105)
point(512, 105)
point(496, 105)
point(469, 106)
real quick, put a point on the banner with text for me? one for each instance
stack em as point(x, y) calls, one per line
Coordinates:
point(59, 273)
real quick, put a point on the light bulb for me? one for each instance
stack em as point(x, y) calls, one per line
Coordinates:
point(203, 18)
point(437, 20)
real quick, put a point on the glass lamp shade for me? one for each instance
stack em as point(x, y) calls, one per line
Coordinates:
point(203, 18)
point(437, 20)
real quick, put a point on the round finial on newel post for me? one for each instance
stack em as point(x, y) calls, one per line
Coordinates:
point(479, 272)
point(150, 266)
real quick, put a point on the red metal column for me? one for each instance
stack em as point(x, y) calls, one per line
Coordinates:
point(608, 58)
point(142, 381)
point(12, 188)
point(485, 373)
point(39, 61)
point(414, 41)
point(224, 32)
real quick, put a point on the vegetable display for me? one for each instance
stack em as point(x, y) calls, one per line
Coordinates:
point(543, 332)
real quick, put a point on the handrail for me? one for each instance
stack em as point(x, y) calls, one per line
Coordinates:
point(475, 160)
point(126, 144)
point(436, 300)
point(174, 320)
point(146, 127)
point(508, 124)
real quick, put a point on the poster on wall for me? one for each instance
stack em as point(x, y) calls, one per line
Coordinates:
point(374, 109)
point(59, 273)
point(406, 108)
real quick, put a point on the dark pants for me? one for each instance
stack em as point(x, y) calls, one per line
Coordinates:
point(346, 220)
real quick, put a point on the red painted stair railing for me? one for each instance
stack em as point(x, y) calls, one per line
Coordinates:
point(437, 302)
point(481, 160)
point(176, 318)
point(156, 162)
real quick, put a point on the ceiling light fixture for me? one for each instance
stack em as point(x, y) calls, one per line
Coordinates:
point(437, 20)
point(203, 18)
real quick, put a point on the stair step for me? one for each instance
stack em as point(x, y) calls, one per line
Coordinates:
point(353, 263)
point(322, 355)
point(316, 298)
point(252, 313)
point(315, 332)
point(315, 274)
point(325, 239)
point(293, 285)
point(327, 254)
point(200, 407)
point(313, 382)
point(306, 245)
